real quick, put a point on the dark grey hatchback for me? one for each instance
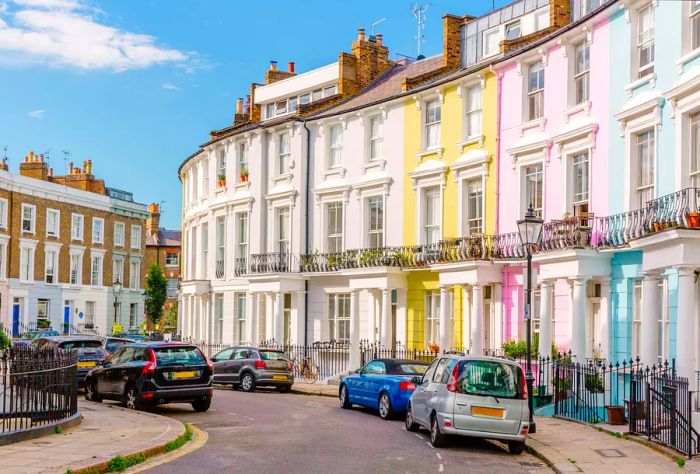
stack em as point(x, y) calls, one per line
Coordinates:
point(250, 367)
point(153, 373)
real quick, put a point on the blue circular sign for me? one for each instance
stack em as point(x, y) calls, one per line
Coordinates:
point(80, 315)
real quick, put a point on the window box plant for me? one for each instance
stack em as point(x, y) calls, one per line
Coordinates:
point(693, 219)
point(43, 323)
point(244, 174)
point(221, 180)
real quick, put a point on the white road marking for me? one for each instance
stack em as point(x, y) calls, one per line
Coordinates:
point(417, 435)
point(441, 468)
point(428, 443)
point(242, 416)
point(439, 456)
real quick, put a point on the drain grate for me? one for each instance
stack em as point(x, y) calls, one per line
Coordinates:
point(531, 464)
point(610, 453)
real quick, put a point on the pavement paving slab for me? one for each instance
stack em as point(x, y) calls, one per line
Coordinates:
point(594, 451)
point(107, 430)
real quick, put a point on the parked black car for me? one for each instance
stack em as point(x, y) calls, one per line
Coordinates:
point(111, 344)
point(90, 351)
point(145, 374)
point(250, 367)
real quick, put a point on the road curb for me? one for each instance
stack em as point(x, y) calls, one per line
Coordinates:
point(199, 439)
point(315, 392)
point(151, 451)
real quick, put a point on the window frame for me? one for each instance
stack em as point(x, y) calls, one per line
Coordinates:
point(52, 255)
point(334, 220)
point(136, 275)
point(137, 235)
point(375, 233)
point(335, 149)
point(535, 97)
point(469, 229)
point(27, 263)
point(102, 230)
point(373, 139)
point(582, 75)
point(435, 124)
point(575, 205)
point(431, 324)
point(429, 227)
point(80, 220)
point(539, 210)
point(694, 151)
point(57, 213)
point(644, 192)
point(96, 274)
point(473, 110)
point(339, 321)
point(78, 271)
point(485, 51)
point(283, 155)
point(507, 28)
point(32, 219)
point(640, 44)
point(119, 242)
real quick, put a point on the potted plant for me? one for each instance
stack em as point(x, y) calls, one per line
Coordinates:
point(583, 235)
point(693, 219)
point(616, 414)
point(594, 383)
point(244, 174)
point(434, 347)
point(222, 180)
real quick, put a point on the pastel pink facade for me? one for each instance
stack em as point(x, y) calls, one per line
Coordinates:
point(567, 128)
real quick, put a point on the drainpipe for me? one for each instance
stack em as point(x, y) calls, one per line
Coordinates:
point(499, 93)
point(306, 231)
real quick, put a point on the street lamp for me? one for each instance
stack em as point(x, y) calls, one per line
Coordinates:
point(116, 288)
point(530, 232)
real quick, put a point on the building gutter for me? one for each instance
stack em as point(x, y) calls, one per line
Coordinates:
point(306, 231)
point(499, 93)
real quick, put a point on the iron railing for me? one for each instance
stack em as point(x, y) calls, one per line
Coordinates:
point(240, 266)
point(273, 262)
point(374, 350)
point(220, 269)
point(37, 386)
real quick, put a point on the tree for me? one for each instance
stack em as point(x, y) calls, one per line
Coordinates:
point(169, 321)
point(156, 293)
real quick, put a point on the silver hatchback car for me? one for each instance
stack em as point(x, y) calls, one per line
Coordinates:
point(484, 397)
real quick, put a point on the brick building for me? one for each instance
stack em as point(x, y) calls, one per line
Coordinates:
point(64, 241)
point(163, 248)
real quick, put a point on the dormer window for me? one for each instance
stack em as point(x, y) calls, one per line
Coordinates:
point(513, 30)
point(281, 107)
point(491, 42)
point(293, 105)
point(304, 99)
point(317, 95)
point(329, 91)
point(269, 110)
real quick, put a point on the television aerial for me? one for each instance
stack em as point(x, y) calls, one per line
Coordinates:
point(419, 11)
point(374, 25)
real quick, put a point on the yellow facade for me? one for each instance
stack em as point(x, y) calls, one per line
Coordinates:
point(451, 135)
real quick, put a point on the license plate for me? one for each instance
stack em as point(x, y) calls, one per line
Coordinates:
point(279, 377)
point(488, 412)
point(87, 364)
point(182, 375)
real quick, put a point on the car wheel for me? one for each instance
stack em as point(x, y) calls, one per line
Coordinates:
point(385, 410)
point(344, 399)
point(201, 405)
point(284, 388)
point(131, 399)
point(248, 382)
point(411, 424)
point(437, 439)
point(516, 447)
point(91, 392)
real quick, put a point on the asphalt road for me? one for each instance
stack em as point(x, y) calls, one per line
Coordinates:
point(267, 431)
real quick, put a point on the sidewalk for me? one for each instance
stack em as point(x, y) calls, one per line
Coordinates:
point(107, 430)
point(574, 447)
point(315, 389)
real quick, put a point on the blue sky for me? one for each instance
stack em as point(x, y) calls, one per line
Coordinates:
point(136, 85)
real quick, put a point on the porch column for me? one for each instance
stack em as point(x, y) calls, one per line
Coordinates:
point(578, 319)
point(466, 316)
point(685, 327)
point(299, 318)
point(477, 336)
point(269, 317)
point(545, 345)
point(605, 322)
point(354, 329)
point(648, 345)
point(497, 299)
point(279, 317)
point(371, 316)
point(445, 332)
point(385, 333)
point(251, 307)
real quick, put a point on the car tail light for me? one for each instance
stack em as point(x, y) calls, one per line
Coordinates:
point(523, 386)
point(406, 385)
point(150, 367)
point(452, 384)
point(260, 364)
point(291, 367)
point(147, 395)
point(210, 364)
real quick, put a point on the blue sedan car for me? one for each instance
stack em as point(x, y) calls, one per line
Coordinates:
point(383, 384)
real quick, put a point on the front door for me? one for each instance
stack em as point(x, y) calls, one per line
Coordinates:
point(66, 320)
point(593, 330)
point(15, 318)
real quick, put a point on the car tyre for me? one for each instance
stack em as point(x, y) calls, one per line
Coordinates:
point(248, 382)
point(201, 405)
point(411, 424)
point(284, 388)
point(516, 447)
point(437, 439)
point(386, 412)
point(91, 392)
point(131, 399)
point(343, 397)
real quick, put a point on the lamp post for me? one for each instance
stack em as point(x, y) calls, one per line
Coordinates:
point(116, 288)
point(530, 232)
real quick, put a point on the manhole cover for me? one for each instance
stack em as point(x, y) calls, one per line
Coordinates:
point(610, 453)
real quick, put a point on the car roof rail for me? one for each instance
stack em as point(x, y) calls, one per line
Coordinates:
point(459, 353)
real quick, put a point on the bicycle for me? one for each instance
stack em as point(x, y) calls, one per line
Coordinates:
point(308, 370)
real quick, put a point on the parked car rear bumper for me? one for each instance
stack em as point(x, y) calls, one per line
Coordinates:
point(154, 393)
point(264, 378)
point(451, 430)
point(399, 401)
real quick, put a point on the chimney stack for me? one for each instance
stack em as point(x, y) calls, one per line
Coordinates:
point(379, 38)
point(290, 67)
point(153, 221)
point(274, 75)
point(239, 105)
point(273, 65)
point(360, 34)
point(34, 167)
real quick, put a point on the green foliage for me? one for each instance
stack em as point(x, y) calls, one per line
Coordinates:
point(169, 321)
point(156, 293)
point(514, 349)
point(5, 341)
point(59, 430)
point(680, 462)
point(180, 440)
point(594, 383)
point(121, 463)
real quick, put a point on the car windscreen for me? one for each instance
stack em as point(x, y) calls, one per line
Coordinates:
point(272, 355)
point(408, 369)
point(114, 344)
point(178, 355)
point(80, 345)
point(489, 378)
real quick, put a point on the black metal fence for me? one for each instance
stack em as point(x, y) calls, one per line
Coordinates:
point(661, 409)
point(329, 359)
point(37, 386)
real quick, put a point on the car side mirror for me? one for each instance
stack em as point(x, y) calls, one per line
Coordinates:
point(418, 380)
point(214, 359)
point(358, 371)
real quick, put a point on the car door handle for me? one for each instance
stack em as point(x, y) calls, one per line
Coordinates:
point(461, 404)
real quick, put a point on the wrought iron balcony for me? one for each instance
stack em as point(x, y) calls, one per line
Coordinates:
point(220, 269)
point(273, 262)
point(240, 266)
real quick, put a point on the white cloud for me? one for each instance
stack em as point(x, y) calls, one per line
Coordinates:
point(37, 114)
point(63, 33)
point(170, 87)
